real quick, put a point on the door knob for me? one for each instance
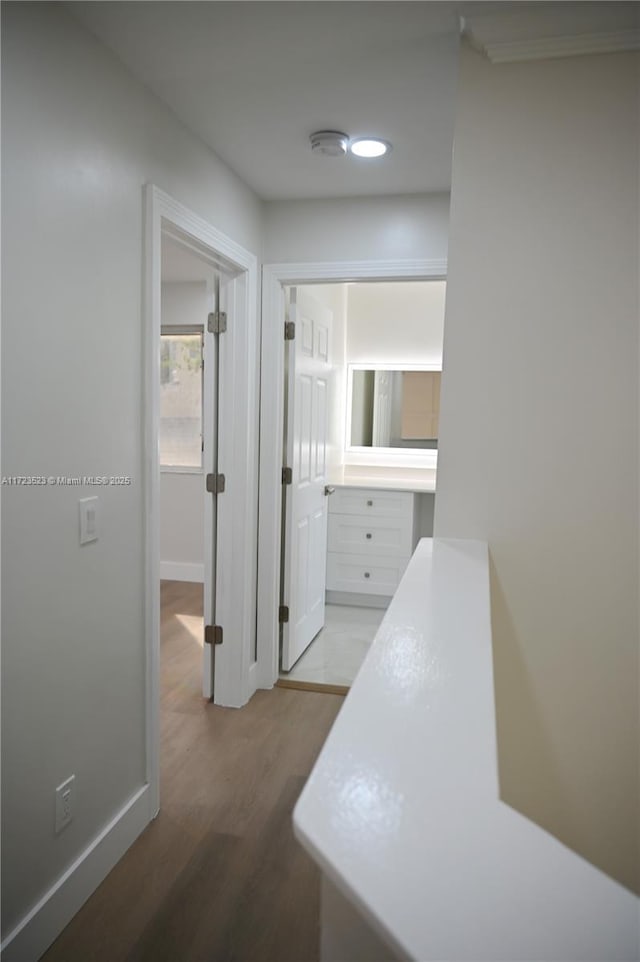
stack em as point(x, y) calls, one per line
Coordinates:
point(328, 489)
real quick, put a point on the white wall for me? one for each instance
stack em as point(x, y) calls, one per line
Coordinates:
point(182, 526)
point(539, 428)
point(395, 323)
point(80, 139)
point(184, 304)
point(365, 228)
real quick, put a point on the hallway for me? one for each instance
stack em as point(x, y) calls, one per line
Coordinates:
point(218, 875)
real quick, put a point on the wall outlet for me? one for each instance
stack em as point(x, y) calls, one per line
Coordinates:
point(65, 803)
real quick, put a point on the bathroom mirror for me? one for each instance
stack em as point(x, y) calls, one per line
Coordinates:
point(394, 407)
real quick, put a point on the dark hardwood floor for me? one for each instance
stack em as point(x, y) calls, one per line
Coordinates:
point(218, 876)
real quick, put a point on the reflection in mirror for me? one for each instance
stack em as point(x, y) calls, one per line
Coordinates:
point(394, 408)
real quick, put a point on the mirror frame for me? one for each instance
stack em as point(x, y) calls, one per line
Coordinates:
point(398, 457)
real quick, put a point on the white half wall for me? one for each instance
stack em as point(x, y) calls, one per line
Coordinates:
point(539, 428)
point(81, 138)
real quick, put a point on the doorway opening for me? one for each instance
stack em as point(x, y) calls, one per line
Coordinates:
point(200, 463)
point(187, 446)
point(361, 380)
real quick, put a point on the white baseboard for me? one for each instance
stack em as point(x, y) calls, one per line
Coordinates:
point(46, 920)
point(181, 571)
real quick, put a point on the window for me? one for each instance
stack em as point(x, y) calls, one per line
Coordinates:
point(181, 399)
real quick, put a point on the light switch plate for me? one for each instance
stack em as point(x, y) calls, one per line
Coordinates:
point(65, 803)
point(88, 519)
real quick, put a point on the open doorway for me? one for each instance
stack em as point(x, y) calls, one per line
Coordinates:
point(200, 307)
point(361, 428)
point(187, 433)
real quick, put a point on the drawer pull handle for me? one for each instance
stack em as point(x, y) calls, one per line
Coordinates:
point(369, 504)
point(367, 574)
point(369, 535)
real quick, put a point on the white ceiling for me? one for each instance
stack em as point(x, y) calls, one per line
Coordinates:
point(255, 79)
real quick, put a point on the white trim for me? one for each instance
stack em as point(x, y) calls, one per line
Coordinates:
point(274, 277)
point(180, 469)
point(426, 458)
point(342, 272)
point(237, 446)
point(270, 489)
point(550, 48)
point(392, 366)
point(151, 475)
point(181, 571)
point(44, 922)
point(548, 31)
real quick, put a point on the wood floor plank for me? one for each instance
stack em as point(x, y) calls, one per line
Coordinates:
point(238, 899)
point(218, 876)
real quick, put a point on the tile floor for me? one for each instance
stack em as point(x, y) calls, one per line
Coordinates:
point(336, 653)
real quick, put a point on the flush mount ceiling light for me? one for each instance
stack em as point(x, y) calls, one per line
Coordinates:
point(369, 147)
point(333, 143)
point(330, 143)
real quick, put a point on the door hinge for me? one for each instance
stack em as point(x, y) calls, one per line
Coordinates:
point(289, 330)
point(283, 614)
point(217, 322)
point(216, 483)
point(287, 475)
point(213, 634)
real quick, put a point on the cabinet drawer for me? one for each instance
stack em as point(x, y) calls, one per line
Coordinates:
point(372, 576)
point(371, 502)
point(357, 534)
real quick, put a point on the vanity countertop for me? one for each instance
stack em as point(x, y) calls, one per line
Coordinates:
point(424, 482)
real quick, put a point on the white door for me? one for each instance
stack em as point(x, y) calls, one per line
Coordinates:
point(305, 535)
point(210, 406)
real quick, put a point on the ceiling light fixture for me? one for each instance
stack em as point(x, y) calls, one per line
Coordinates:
point(334, 143)
point(369, 147)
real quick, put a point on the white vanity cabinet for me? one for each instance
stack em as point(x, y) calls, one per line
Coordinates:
point(372, 535)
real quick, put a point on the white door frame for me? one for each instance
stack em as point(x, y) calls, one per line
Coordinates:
point(274, 279)
point(236, 671)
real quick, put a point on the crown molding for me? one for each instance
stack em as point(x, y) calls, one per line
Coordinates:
point(555, 30)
